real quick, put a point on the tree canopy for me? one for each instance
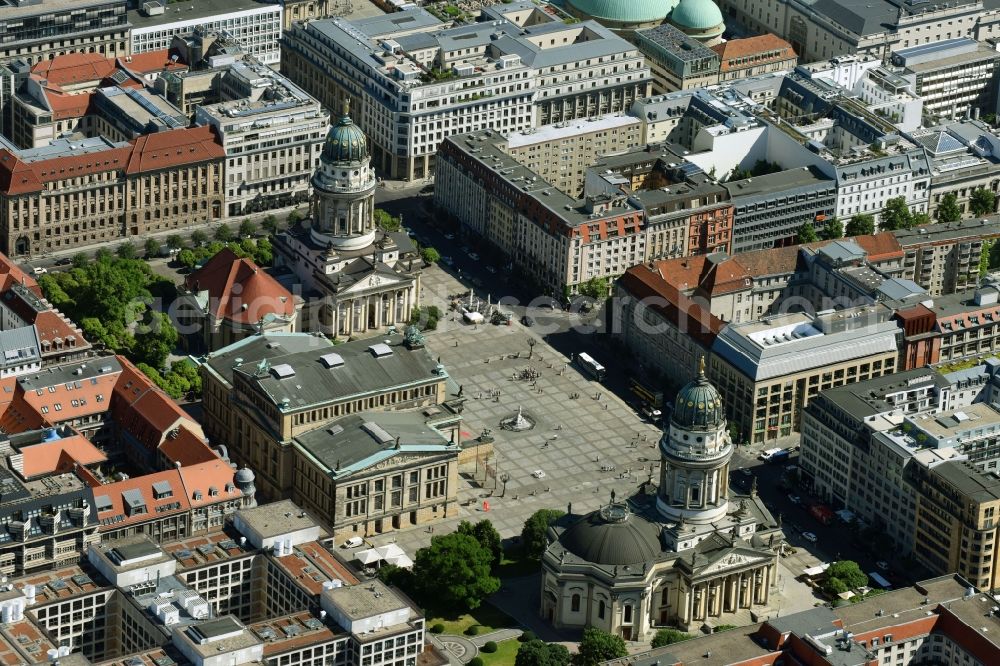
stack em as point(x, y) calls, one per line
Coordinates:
point(832, 229)
point(540, 653)
point(807, 233)
point(486, 535)
point(595, 287)
point(458, 570)
point(386, 221)
point(599, 646)
point(844, 575)
point(859, 225)
point(948, 210)
point(533, 538)
point(982, 201)
point(896, 215)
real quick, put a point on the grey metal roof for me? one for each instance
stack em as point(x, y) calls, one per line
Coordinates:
point(162, 487)
point(669, 42)
point(386, 24)
point(133, 498)
point(187, 11)
point(359, 440)
point(19, 346)
point(867, 398)
point(597, 540)
point(759, 362)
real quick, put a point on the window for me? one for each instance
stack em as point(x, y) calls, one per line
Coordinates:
point(600, 609)
point(574, 604)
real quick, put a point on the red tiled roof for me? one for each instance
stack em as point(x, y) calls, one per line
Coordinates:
point(11, 274)
point(75, 67)
point(751, 46)
point(163, 150)
point(177, 500)
point(880, 246)
point(65, 401)
point(238, 290)
point(68, 105)
point(202, 479)
point(150, 152)
point(56, 456)
point(187, 448)
point(151, 61)
point(692, 318)
point(144, 411)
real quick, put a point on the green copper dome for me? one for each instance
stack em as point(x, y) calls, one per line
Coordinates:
point(696, 15)
point(625, 11)
point(698, 405)
point(345, 142)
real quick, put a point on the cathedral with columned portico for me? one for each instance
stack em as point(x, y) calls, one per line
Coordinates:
point(688, 552)
point(357, 279)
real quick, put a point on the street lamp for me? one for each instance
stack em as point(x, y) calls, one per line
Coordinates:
point(504, 477)
point(531, 346)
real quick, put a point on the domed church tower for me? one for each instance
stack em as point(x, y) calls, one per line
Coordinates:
point(695, 451)
point(357, 278)
point(344, 188)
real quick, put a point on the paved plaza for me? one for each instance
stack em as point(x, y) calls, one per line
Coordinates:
point(574, 442)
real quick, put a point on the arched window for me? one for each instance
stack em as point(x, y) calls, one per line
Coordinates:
point(600, 609)
point(574, 604)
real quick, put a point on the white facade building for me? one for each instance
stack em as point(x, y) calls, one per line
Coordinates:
point(273, 135)
point(416, 81)
point(256, 26)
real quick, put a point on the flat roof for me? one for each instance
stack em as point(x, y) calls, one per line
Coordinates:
point(276, 518)
point(868, 397)
point(972, 482)
point(12, 11)
point(197, 9)
point(775, 184)
point(370, 598)
point(571, 128)
point(950, 231)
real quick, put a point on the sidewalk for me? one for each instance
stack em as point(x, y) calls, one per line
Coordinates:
point(496, 636)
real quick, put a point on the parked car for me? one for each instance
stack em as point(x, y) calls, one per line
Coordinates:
point(353, 542)
point(795, 499)
point(449, 236)
point(527, 321)
point(65, 261)
point(538, 474)
point(473, 256)
point(810, 537)
point(39, 270)
point(883, 565)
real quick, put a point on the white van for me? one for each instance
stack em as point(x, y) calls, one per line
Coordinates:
point(353, 542)
point(766, 455)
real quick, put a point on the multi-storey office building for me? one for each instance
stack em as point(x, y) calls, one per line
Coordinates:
point(416, 81)
point(255, 26)
point(77, 193)
point(770, 209)
point(678, 62)
point(561, 154)
point(955, 78)
point(770, 369)
point(272, 133)
point(40, 30)
point(878, 28)
point(753, 56)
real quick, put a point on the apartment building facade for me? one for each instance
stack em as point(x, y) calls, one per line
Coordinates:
point(96, 191)
point(515, 70)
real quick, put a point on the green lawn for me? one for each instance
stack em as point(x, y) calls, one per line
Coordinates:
point(488, 618)
point(504, 656)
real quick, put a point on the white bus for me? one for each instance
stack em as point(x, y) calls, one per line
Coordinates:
point(592, 367)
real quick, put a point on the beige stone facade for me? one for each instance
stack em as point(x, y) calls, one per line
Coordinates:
point(101, 192)
point(260, 428)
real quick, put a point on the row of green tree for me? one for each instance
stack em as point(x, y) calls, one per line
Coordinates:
point(897, 215)
point(111, 298)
